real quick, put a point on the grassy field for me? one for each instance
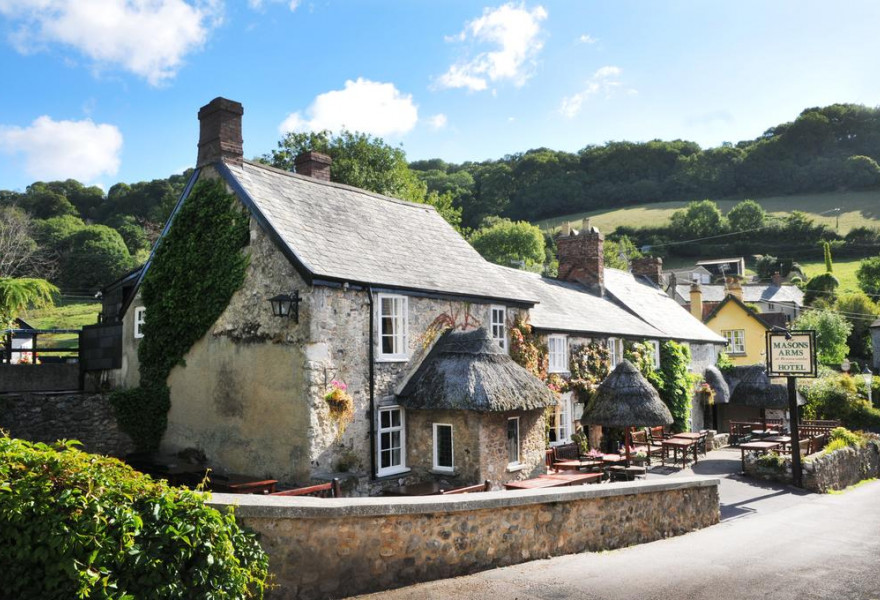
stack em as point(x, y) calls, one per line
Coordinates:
point(63, 316)
point(844, 270)
point(856, 209)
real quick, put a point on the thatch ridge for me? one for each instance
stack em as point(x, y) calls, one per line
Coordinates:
point(468, 370)
point(626, 399)
point(716, 381)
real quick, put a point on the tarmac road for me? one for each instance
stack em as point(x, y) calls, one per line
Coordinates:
point(773, 542)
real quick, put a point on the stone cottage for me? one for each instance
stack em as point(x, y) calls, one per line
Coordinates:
point(378, 282)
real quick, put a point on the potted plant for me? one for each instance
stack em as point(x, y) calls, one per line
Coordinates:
point(639, 458)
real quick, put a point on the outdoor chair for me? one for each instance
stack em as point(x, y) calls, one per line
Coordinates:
point(702, 442)
point(331, 489)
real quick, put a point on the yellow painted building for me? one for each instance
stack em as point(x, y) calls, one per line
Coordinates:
point(743, 327)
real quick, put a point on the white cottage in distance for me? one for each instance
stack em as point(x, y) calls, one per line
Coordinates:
point(378, 278)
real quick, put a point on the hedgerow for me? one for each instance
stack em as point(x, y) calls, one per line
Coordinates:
point(77, 525)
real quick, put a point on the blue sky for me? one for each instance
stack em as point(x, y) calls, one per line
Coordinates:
point(108, 90)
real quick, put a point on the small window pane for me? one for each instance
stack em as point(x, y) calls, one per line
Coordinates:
point(513, 441)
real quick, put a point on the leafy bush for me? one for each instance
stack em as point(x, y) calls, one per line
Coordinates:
point(771, 460)
point(835, 445)
point(848, 437)
point(835, 396)
point(74, 524)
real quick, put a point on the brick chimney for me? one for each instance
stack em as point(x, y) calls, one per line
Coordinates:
point(313, 164)
point(581, 259)
point(776, 278)
point(672, 290)
point(648, 266)
point(697, 300)
point(735, 290)
point(220, 132)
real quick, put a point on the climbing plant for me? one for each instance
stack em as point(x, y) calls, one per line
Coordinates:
point(678, 384)
point(527, 349)
point(196, 269)
point(641, 355)
point(588, 364)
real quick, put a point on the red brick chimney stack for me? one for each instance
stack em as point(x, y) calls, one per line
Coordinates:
point(648, 266)
point(581, 258)
point(313, 164)
point(220, 132)
point(776, 278)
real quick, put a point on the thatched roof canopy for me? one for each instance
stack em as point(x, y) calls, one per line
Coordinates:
point(626, 399)
point(468, 370)
point(750, 386)
point(716, 381)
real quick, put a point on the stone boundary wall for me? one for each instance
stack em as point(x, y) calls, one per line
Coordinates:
point(49, 377)
point(45, 417)
point(331, 548)
point(825, 472)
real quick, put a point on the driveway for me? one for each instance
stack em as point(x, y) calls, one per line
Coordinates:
point(774, 541)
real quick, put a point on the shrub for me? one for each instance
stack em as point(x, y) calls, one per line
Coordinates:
point(771, 460)
point(75, 525)
point(835, 445)
point(835, 396)
point(846, 436)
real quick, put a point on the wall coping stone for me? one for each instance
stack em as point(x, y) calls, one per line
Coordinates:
point(272, 507)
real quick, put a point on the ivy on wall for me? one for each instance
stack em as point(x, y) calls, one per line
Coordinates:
point(588, 365)
point(195, 271)
point(677, 383)
point(527, 349)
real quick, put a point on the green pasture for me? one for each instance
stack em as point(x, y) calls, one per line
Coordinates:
point(63, 316)
point(856, 209)
point(844, 270)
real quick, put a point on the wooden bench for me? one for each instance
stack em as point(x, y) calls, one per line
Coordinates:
point(480, 487)
point(331, 489)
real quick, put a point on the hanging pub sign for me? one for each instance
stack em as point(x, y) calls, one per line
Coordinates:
point(791, 353)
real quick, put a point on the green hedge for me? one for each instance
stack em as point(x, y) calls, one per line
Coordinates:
point(77, 525)
point(838, 396)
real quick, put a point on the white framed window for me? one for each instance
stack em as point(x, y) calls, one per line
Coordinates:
point(499, 325)
point(557, 353)
point(655, 352)
point(140, 314)
point(615, 351)
point(443, 452)
point(736, 340)
point(561, 420)
point(393, 339)
point(391, 445)
point(513, 441)
point(771, 306)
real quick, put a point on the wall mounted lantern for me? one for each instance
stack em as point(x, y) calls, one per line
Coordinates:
point(283, 305)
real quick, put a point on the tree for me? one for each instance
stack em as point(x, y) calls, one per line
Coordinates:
point(18, 294)
point(826, 249)
point(821, 287)
point(512, 244)
point(97, 256)
point(747, 215)
point(860, 311)
point(19, 253)
point(698, 220)
point(832, 331)
point(868, 275)
point(618, 253)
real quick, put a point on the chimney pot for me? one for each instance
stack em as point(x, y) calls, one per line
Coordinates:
point(313, 164)
point(581, 259)
point(220, 132)
point(565, 230)
point(586, 226)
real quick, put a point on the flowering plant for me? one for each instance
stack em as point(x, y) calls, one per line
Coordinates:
point(341, 405)
point(707, 392)
point(595, 453)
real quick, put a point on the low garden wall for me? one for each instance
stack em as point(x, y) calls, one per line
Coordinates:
point(823, 472)
point(50, 377)
point(47, 417)
point(322, 548)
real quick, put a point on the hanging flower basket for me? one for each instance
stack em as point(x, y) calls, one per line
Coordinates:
point(341, 406)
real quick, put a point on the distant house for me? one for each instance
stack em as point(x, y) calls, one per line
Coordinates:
point(743, 327)
point(375, 276)
point(687, 275)
point(771, 297)
point(724, 267)
point(19, 342)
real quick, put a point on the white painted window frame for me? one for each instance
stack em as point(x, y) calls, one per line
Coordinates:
point(562, 417)
point(655, 351)
point(391, 469)
point(615, 351)
point(732, 335)
point(436, 464)
point(401, 318)
point(139, 319)
point(499, 326)
point(518, 461)
point(557, 358)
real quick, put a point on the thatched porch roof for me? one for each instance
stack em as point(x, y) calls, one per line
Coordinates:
point(626, 399)
point(467, 370)
point(716, 381)
point(750, 386)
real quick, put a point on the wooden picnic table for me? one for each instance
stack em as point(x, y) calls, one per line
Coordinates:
point(574, 478)
point(676, 444)
point(576, 464)
point(762, 447)
point(783, 440)
point(553, 480)
point(686, 435)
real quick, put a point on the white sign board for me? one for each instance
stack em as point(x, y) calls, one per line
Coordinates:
point(791, 354)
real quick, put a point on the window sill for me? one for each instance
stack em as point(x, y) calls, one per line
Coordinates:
point(515, 467)
point(549, 372)
point(446, 472)
point(392, 474)
point(391, 359)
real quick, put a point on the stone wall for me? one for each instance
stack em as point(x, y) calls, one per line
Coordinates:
point(42, 417)
point(340, 547)
point(822, 472)
point(49, 377)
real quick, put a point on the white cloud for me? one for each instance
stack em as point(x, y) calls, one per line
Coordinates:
point(437, 121)
point(363, 105)
point(604, 81)
point(514, 31)
point(586, 38)
point(149, 38)
point(81, 150)
point(258, 4)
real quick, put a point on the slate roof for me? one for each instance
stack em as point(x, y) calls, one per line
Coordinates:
point(568, 307)
point(656, 308)
point(767, 320)
point(341, 233)
point(752, 292)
